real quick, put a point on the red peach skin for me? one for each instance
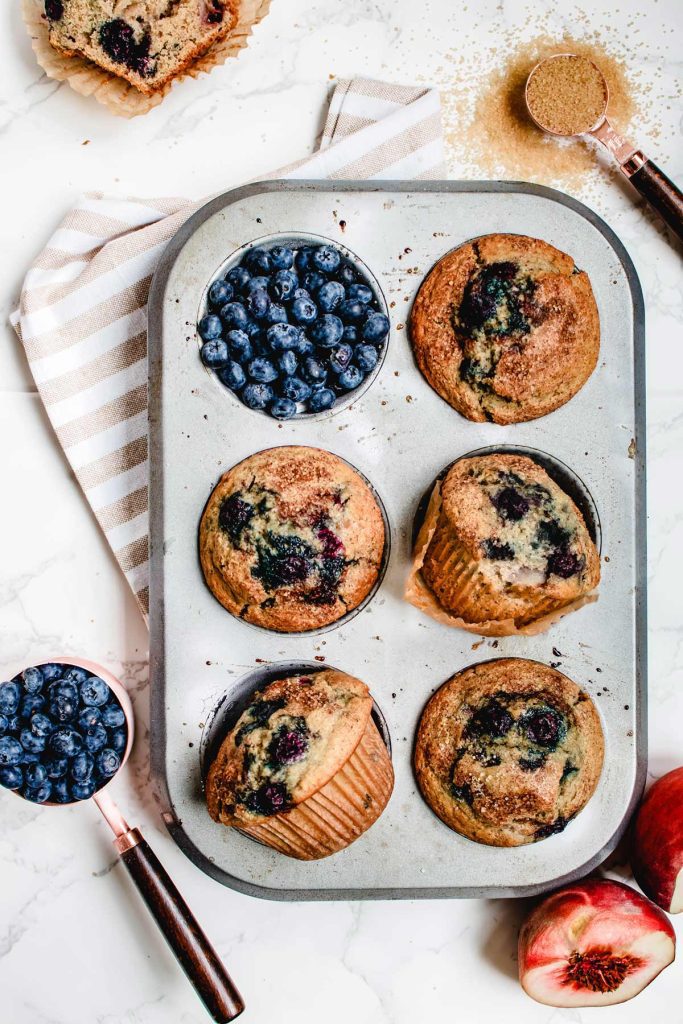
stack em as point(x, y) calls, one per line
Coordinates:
point(657, 843)
point(593, 943)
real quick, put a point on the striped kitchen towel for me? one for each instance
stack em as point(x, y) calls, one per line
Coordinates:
point(82, 316)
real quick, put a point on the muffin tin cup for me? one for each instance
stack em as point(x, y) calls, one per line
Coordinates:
point(400, 435)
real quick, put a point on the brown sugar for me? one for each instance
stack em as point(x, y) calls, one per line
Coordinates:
point(567, 95)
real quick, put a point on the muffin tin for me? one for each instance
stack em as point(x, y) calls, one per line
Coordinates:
point(400, 435)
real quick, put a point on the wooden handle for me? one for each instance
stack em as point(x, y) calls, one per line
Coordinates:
point(193, 950)
point(661, 194)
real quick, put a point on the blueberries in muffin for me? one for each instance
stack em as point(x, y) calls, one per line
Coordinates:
point(270, 798)
point(510, 504)
point(494, 300)
point(282, 560)
point(463, 793)
point(492, 720)
point(117, 39)
point(214, 11)
point(532, 761)
point(289, 745)
point(54, 9)
point(235, 514)
point(559, 825)
point(500, 552)
point(564, 563)
point(544, 726)
point(552, 534)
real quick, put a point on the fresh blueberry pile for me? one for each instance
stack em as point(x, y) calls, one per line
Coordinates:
point(289, 330)
point(62, 733)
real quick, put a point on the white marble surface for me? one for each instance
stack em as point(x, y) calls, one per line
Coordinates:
point(75, 946)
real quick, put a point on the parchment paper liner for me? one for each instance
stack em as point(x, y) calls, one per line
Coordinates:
point(418, 593)
point(119, 96)
point(340, 812)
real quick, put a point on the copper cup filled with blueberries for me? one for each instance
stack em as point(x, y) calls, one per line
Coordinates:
point(294, 326)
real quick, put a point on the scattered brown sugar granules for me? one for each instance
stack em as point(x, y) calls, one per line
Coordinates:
point(567, 94)
point(500, 140)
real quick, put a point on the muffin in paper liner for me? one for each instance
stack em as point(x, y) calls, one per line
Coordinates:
point(304, 770)
point(121, 98)
point(458, 565)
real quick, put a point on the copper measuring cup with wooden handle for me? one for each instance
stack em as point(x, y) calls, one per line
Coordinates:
point(660, 192)
point(192, 949)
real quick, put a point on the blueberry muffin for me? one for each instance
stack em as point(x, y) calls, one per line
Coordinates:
point(291, 539)
point(509, 546)
point(506, 329)
point(305, 769)
point(508, 752)
point(145, 42)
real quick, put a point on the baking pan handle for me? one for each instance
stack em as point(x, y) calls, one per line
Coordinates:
point(660, 192)
point(192, 949)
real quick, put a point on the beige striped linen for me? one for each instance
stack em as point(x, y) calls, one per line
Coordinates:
point(82, 316)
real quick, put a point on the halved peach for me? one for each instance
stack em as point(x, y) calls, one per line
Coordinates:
point(657, 843)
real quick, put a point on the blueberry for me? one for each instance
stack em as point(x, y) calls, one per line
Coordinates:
point(214, 354)
point(350, 378)
point(257, 396)
point(351, 310)
point(282, 336)
point(320, 400)
point(326, 259)
point(210, 327)
point(234, 316)
point(375, 328)
point(54, 9)
point(360, 293)
point(35, 775)
point(31, 757)
point(33, 680)
point(238, 277)
point(220, 292)
point(83, 790)
point(94, 692)
point(38, 795)
point(283, 408)
point(296, 389)
point(33, 744)
point(63, 708)
point(65, 688)
point(491, 720)
point(327, 331)
point(60, 792)
point(239, 345)
point(511, 504)
point(302, 260)
point(304, 346)
point(107, 762)
point(10, 694)
point(564, 563)
point(233, 376)
point(262, 370)
point(283, 285)
point(113, 716)
point(330, 295)
point(82, 767)
point(281, 257)
point(258, 303)
point(270, 798)
point(30, 704)
point(257, 284)
point(366, 357)
point(350, 335)
point(65, 741)
point(346, 273)
point(11, 751)
point(4, 724)
point(288, 363)
point(304, 310)
point(51, 671)
point(313, 281)
point(41, 725)
point(118, 740)
point(88, 717)
point(287, 746)
point(95, 738)
point(257, 260)
point(276, 314)
point(117, 39)
point(56, 767)
point(11, 777)
point(75, 675)
point(497, 551)
point(340, 358)
point(314, 371)
point(543, 726)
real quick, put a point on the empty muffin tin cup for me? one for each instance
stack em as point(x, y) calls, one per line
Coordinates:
point(312, 831)
point(295, 240)
point(178, 925)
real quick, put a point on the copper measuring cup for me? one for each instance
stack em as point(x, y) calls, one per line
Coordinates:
point(659, 191)
point(192, 949)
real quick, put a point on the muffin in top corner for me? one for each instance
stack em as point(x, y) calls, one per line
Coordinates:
point(291, 539)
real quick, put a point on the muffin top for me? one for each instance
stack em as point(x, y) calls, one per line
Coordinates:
point(526, 535)
point(291, 539)
point(294, 736)
point(508, 752)
point(505, 328)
